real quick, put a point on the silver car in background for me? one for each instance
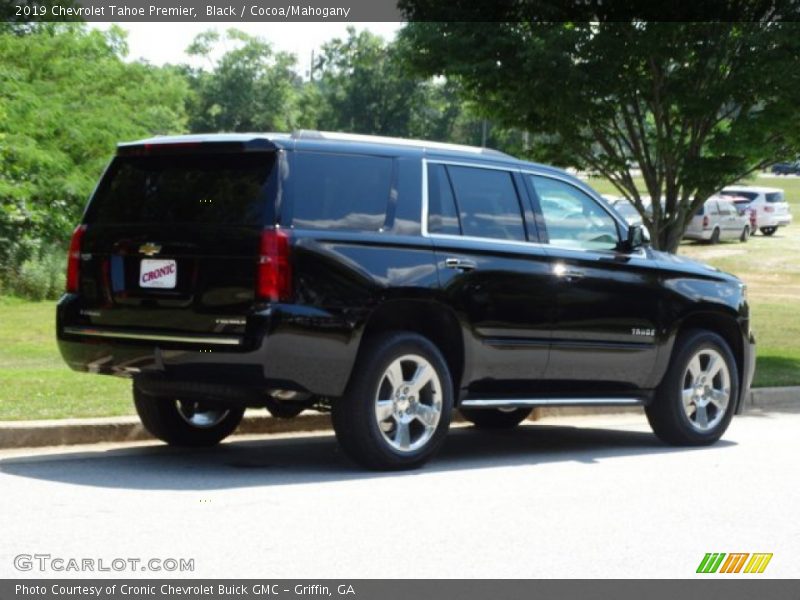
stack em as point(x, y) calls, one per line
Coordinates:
point(718, 219)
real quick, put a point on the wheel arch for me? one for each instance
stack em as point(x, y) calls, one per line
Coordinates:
point(724, 324)
point(428, 318)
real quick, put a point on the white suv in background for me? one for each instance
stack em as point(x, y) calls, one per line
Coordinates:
point(718, 219)
point(772, 210)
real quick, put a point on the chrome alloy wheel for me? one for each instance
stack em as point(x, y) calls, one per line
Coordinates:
point(196, 415)
point(706, 389)
point(408, 403)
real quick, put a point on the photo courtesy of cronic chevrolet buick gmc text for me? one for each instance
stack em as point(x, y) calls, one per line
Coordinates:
point(391, 282)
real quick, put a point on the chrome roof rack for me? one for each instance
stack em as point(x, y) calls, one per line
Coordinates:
point(377, 139)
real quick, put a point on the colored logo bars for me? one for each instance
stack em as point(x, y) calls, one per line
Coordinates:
point(717, 562)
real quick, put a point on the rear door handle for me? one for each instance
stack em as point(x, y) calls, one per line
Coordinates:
point(461, 264)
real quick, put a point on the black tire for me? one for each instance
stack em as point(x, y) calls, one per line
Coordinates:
point(714, 236)
point(161, 416)
point(354, 414)
point(745, 234)
point(666, 413)
point(494, 418)
point(768, 231)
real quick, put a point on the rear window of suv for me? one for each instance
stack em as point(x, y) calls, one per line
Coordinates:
point(215, 188)
point(774, 197)
point(339, 191)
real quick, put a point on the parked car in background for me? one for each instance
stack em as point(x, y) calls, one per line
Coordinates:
point(627, 211)
point(718, 219)
point(742, 205)
point(786, 168)
point(772, 210)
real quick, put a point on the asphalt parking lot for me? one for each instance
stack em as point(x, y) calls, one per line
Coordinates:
point(566, 497)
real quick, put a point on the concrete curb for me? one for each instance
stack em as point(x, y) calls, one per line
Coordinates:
point(69, 432)
point(774, 398)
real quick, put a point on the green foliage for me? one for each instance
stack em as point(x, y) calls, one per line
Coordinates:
point(41, 277)
point(33, 270)
point(365, 87)
point(67, 97)
point(250, 88)
point(695, 105)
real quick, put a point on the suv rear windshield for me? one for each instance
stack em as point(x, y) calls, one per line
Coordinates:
point(218, 188)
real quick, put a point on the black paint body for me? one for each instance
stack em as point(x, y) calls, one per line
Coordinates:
point(512, 327)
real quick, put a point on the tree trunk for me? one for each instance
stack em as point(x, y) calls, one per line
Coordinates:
point(669, 238)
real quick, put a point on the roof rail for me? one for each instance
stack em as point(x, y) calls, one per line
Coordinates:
point(311, 134)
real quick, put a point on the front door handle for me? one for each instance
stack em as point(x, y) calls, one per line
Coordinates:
point(461, 264)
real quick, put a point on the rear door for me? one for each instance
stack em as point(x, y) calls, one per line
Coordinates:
point(731, 222)
point(723, 218)
point(607, 303)
point(480, 222)
point(172, 237)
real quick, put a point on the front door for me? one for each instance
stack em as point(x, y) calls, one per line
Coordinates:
point(606, 321)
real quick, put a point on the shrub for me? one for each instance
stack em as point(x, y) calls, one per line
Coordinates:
point(37, 273)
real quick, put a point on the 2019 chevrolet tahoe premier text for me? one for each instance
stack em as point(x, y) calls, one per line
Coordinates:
point(390, 281)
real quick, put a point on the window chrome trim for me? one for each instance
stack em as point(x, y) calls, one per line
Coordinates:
point(468, 238)
point(513, 243)
point(472, 238)
point(153, 337)
point(423, 223)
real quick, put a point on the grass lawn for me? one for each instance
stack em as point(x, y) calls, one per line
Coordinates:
point(35, 383)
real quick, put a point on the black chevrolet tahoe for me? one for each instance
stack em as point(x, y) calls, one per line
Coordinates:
point(391, 282)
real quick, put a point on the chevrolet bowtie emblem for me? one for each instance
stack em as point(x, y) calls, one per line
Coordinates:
point(149, 249)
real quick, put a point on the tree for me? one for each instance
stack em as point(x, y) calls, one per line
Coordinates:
point(695, 106)
point(249, 88)
point(365, 87)
point(67, 98)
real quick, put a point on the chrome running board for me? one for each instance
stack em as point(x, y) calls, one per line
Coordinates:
point(532, 402)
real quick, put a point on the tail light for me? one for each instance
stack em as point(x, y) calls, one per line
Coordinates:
point(769, 209)
point(274, 276)
point(705, 222)
point(74, 259)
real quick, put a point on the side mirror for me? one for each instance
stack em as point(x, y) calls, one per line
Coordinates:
point(636, 238)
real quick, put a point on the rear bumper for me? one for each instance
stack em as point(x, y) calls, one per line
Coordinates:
point(769, 220)
point(276, 352)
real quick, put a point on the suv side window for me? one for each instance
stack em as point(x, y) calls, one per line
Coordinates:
point(573, 219)
point(340, 191)
point(488, 205)
point(442, 212)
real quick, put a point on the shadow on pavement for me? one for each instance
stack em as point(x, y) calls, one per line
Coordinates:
point(314, 459)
